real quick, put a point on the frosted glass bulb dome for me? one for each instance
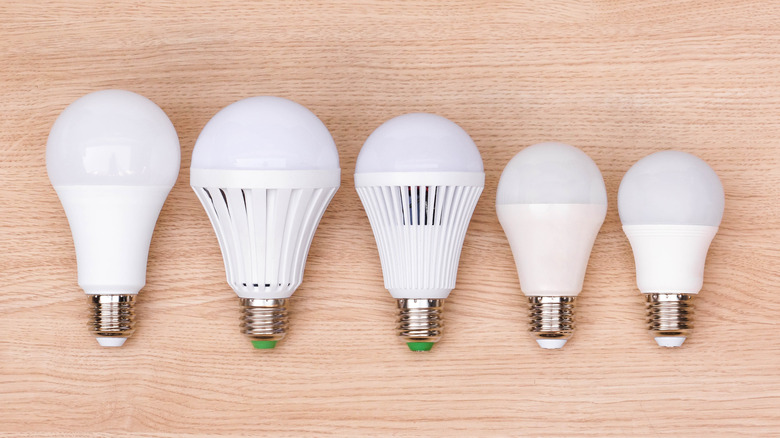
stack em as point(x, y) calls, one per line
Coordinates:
point(671, 204)
point(551, 202)
point(551, 173)
point(419, 142)
point(113, 137)
point(265, 169)
point(671, 188)
point(265, 133)
point(112, 157)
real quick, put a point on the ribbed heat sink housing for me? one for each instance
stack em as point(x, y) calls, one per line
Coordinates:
point(265, 235)
point(419, 232)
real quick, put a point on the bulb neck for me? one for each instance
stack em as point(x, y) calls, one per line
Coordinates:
point(670, 257)
point(420, 322)
point(264, 321)
point(669, 317)
point(551, 320)
point(113, 316)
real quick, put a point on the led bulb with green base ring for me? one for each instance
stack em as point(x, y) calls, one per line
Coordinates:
point(265, 169)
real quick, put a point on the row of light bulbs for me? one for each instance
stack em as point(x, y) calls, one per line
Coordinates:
point(266, 168)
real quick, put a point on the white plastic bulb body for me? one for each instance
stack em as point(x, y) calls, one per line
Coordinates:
point(112, 156)
point(265, 169)
point(419, 177)
point(551, 202)
point(671, 204)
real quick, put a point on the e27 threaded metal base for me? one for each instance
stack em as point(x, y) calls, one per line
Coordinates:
point(420, 320)
point(669, 315)
point(264, 319)
point(112, 315)
point(551, 318)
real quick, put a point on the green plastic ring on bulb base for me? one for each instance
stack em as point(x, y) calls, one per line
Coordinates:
point(264, 345)
point(420, 346)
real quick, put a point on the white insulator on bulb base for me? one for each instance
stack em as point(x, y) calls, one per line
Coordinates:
point(551, 320)
point(113, 318)
point(669, 318)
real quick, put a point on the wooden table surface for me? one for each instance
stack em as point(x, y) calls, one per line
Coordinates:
point(619, 79)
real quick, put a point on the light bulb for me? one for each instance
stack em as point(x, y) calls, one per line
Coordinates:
point(112, 157)
point(551, 202)
point(265, 170)
point(671, 204)
point(419, 177)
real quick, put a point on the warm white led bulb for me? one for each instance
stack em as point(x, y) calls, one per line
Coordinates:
point(112, 156)
point(671, 204)
point(265, 169)
point(551, 202)
point(419, 177)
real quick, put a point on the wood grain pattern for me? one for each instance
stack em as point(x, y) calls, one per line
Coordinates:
point(620, 79)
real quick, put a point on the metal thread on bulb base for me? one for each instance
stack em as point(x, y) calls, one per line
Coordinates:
point(420, 322)
point(551, 320)
point(669, 315)
point(264, 321)
point(113, 316)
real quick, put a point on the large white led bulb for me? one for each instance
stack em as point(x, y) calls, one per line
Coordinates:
point(112, 156)
point(551, 202)
point(671, 204)
point(419, 177)
point(265, 169)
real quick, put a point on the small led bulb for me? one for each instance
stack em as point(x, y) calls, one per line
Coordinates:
point(671, 204)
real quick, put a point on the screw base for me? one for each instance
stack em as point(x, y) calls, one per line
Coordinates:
point(264, 321)
point(113, 318)
point(669, 317)
point(420, 322)
point(551, 320)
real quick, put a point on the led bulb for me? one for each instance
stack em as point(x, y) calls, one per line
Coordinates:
point(112, 157)
point(551, 202)
point(671, 204)
point(419, 177)
point(265, 169)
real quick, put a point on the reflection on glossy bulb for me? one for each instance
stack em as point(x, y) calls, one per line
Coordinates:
point(671, 204)
point(112, 156)
point(419, 177)
point(551, 202)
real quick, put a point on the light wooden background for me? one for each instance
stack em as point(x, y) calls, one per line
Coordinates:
point(620, 79)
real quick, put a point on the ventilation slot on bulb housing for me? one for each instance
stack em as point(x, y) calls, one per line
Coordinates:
point(265, 235)
point(419, 205)
point(419, 232)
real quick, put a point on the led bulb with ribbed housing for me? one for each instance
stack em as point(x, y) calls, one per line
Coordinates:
point(671, 204)
point(265, 169)
point(112, 157)
point(419, 177)
point(551, 202)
